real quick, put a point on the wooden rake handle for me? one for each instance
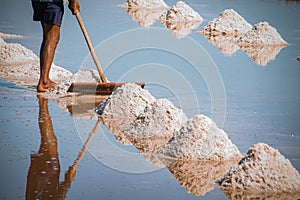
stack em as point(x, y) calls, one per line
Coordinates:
point(91, 48)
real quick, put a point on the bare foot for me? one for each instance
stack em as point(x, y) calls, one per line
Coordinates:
point(45, 87)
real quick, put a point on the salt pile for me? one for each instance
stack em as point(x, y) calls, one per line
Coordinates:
point(200, 138)
point(181, 19)
point(198, 176)
point(160, 119)
point(149, 4)
point(262, 34)
point(20, 65)
point(180, 12)
point(229, 22)
point(262, 170)
point(155, 126)
point(124, 105)
point(81, 76)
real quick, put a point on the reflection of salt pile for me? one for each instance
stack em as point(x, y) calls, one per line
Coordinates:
point(262, 43)
point(262, 170)
point(261, 34)
point(226, 44)
point(155, 126)
point(200, 138)
point(79, 77)
point(229, 22)
point(198, 176)
point(181, 19)
point(21, 65)
point(124, 105)
point(238, 195)
point(261, 55)
point(150, 4)
point(145, 16)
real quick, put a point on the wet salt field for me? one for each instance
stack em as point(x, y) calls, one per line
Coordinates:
point(262, 103)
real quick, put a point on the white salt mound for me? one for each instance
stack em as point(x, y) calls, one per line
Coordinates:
point(160, 119)
point(262, 170)
point(21, 65)
point(261, 34)
point(229, 22)
point(62, 87)
point(150, 4)
point(124, 105)
point(180, 12)
point(129, 100)
point(200, 138)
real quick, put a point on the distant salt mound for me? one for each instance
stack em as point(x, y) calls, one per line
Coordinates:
point(229, 22)
point(160, 119)
point(262, 34)
point(9, 36)
point(149, 4)
point(180, 12)
point(262, 170)
point(181, 19)
point(200, 138)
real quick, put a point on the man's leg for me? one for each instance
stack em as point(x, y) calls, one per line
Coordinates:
point(51, 34)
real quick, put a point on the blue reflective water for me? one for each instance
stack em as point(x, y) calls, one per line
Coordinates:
point(263, 103)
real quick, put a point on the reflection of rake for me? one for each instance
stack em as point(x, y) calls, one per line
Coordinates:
point(70, 174)
point(86, 144)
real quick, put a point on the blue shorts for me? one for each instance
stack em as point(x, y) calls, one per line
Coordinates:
point(49, 13)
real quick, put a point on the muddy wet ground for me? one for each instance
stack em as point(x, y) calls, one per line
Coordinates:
point(263, 105)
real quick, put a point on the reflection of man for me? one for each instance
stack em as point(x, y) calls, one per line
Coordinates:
point(50, 14)
point(43, 174)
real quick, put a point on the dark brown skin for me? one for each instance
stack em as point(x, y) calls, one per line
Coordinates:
point(51, 34)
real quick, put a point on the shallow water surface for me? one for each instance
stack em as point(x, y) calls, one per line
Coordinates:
point(40, 142)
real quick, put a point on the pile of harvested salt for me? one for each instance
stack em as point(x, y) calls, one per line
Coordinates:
point(262, 34)
point(128, 101)
point(159, 119)
point(262, 170)
point(149, 4)
point(229, 22)
point(156, 125)
point(21, 65)
point(124, 105)
point(180, 12)
point(181, 19)
point(81, 76)
point(200, 138)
